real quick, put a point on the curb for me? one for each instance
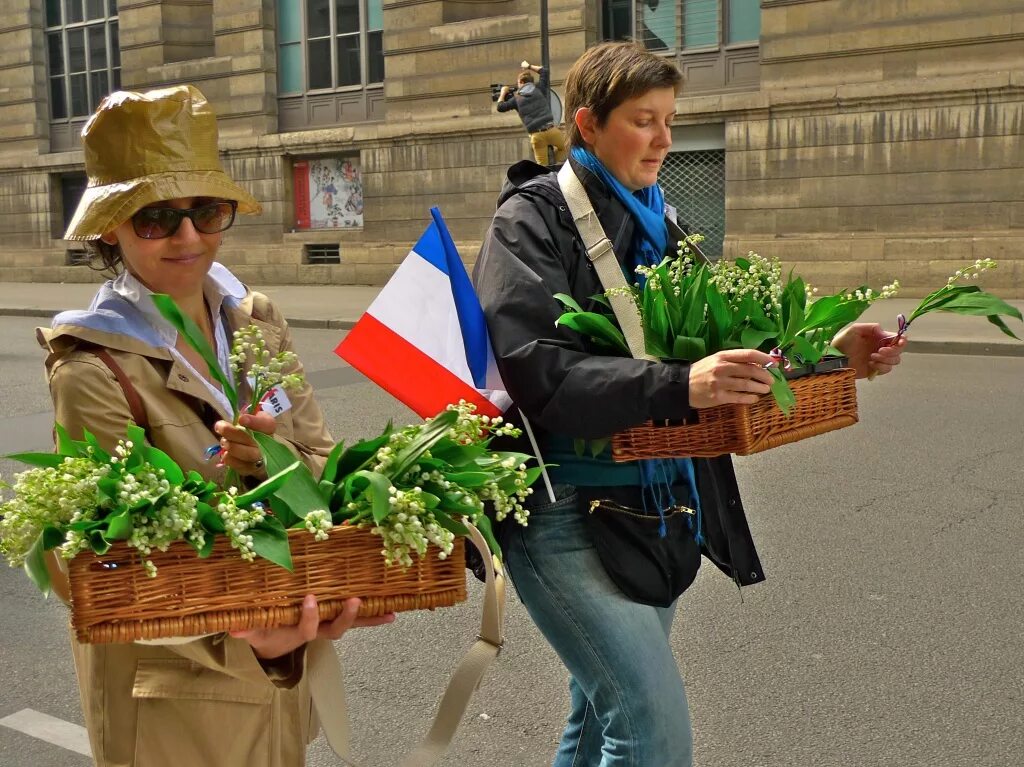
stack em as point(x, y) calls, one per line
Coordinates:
point(1008, 348)
point(969, 348)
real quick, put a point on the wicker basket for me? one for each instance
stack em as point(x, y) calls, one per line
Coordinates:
point(113, 600)
point(824, 402)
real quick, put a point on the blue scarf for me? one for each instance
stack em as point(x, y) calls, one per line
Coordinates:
point(646, 206)
point(650, 239)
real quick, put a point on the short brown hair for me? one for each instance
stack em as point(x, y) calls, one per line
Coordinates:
point(526, 76)
point(609, 74)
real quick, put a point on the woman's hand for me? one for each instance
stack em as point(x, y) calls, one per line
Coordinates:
point(273, 643)
point(867, 346)
point(734, 377)
point(240, 451)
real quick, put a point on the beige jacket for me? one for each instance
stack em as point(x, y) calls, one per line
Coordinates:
point(207, 702)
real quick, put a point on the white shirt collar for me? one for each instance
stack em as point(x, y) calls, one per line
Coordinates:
point(220, 286)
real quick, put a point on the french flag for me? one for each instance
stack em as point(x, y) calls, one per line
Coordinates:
point(424, 339)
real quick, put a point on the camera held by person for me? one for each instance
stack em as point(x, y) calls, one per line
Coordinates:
point(498, 88)
point(532, 101)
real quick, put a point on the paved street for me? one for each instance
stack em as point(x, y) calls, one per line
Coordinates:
point(888, 633)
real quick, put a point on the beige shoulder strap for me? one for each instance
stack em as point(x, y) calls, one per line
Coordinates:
point(601, 255)
point(328, 691)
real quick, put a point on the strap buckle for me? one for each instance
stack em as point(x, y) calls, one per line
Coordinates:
point(603, 246)
point(500, 644)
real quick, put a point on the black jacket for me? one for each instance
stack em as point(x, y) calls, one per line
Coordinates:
point(532, 251)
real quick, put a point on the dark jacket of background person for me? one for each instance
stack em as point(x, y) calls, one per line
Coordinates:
point(533, 104)
point(556, 375)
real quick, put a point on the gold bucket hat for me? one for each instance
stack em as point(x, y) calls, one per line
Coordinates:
point(142, 148)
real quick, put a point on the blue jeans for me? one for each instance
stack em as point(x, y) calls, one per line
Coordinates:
point(628, 703)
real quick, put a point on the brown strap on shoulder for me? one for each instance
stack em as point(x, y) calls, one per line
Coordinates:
point(131, 394)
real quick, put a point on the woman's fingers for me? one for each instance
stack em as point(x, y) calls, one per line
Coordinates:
point(349, 619)
point(273, 643)
point(239, 450)
point(733, 377)
point(261, 422)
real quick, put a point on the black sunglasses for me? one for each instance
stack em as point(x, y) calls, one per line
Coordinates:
point(157, 223)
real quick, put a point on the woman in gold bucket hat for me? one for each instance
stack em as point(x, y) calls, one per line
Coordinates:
point(155, 210)
point(141, 148)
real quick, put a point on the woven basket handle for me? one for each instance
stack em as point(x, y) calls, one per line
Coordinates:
point(328, 691)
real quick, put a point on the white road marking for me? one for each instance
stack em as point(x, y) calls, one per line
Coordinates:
point(49, 728)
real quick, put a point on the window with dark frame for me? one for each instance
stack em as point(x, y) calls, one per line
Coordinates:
point(82, 56)
point(328, 45)
point(660, 25)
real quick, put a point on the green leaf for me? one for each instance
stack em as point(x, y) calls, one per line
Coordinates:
point(330, 472)
point(378, 486)
point(720, 320)
point(483, 524)
point(269, 486)
point(752, 338)
point(52, 537)
point(357, 456)
point(794, 298)
point(35, 566)
point(568, 301)
point(807, 352)
point(579, 446)
point(195, 338)
point(597, 446)
point(160, 460)
point(65, 445)
point(429, 435)
point(98, 542)
point(694, 304)
point(995, 320)
point(450, 524)
point(689, 348)
point(532, 475)
point(457, 455)
point(784, 396)
point(119, 527)
point(469, 479)
point(300, 492)
point(211, 521)
point(982, 304)
point(46, 460)
point(596, 327)
point(271, 542)
point(99, 455)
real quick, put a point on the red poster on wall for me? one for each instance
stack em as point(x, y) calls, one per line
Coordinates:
point(300, 188)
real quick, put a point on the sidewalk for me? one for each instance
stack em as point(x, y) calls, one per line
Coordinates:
point(339, 306)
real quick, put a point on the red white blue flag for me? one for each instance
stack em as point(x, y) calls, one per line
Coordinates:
point(424, 339)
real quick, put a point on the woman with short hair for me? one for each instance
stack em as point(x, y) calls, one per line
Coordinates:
point(609, 624)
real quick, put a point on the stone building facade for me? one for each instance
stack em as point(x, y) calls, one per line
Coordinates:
point(859, 140)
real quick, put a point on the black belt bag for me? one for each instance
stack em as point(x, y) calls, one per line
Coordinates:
point(647, 567)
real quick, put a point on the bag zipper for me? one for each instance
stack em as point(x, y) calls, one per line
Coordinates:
point(594, 505)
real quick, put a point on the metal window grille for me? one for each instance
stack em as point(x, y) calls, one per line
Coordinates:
point(694, 184)
point(323, 254)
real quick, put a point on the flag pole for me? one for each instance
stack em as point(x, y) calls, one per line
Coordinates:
point(536, 452)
